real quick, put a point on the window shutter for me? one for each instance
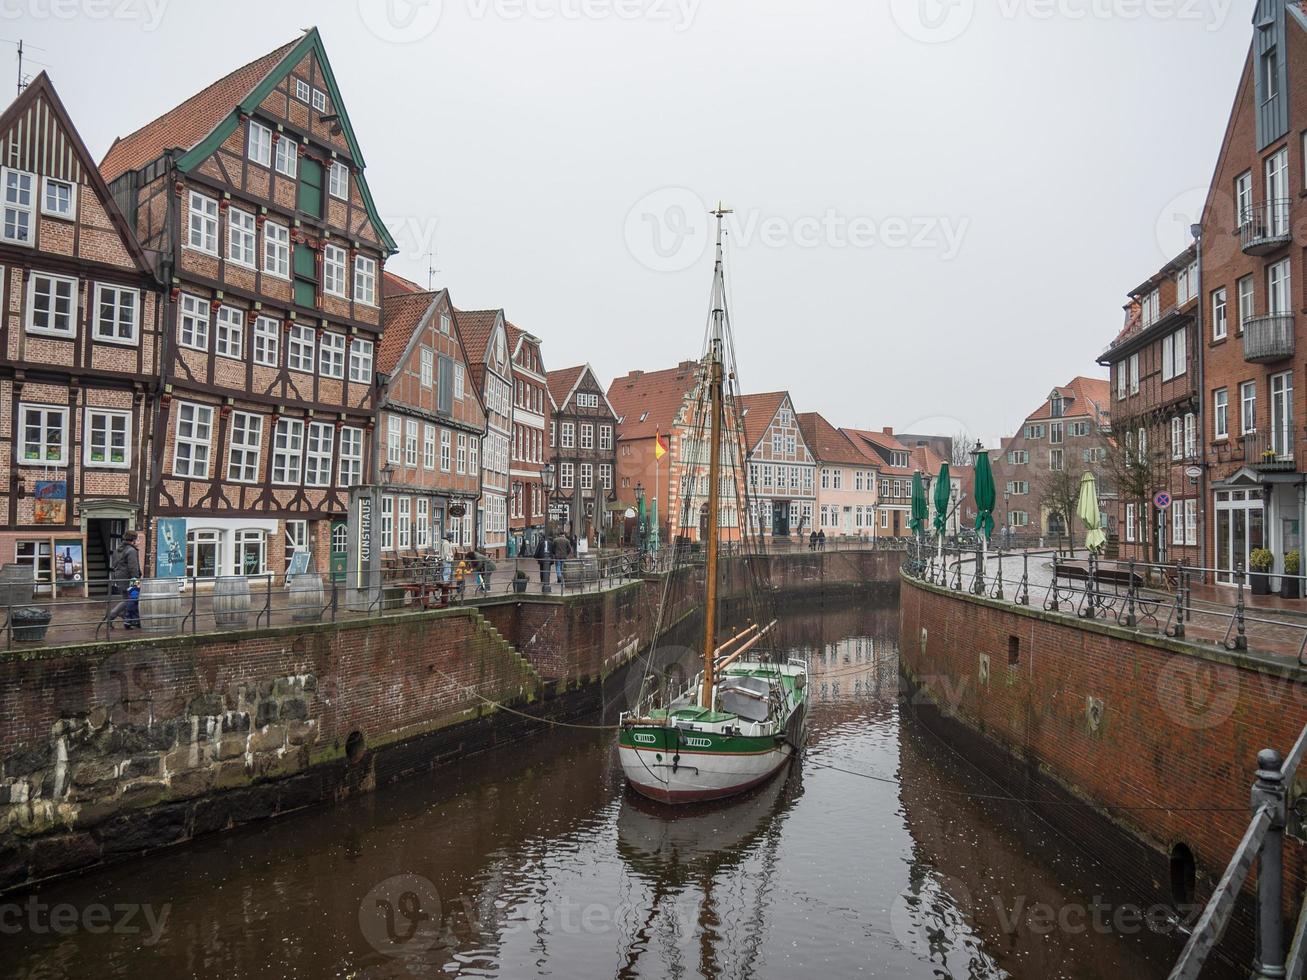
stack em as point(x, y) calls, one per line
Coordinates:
point(310, 190)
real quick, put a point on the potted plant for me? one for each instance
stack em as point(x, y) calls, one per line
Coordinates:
point(1290, 584)
point(519, 581)
point(1259, 565)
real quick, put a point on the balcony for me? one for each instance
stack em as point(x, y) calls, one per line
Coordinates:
point(1269, 452)
point(1263, 228)
point(1268, 338)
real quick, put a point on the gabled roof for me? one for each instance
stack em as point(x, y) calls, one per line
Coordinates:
point(478, 326)
point(393, 285)
point(647, 402)
point(1087, 396)
point(882, 445)
point(829, 445)
point(758, 411)
point(199, 125)
point(41, 88)
point(402, 317)
point(563, 382)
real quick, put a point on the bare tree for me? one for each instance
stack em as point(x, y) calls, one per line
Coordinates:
point(1138, 472)
point(961, 455)
point(1059, 495)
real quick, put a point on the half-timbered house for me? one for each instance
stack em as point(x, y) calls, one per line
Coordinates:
point(582, 445)
point(782, 470)
point(254, 191)
point(527, 509)
point(430, 422)
point(485, 335)
point(78, 362)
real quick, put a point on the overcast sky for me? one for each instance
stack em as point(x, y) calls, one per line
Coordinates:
point(940, 204)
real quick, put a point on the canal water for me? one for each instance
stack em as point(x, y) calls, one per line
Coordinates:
point(880, 854)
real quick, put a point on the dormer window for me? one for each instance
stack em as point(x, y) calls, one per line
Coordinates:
point(1057, 406)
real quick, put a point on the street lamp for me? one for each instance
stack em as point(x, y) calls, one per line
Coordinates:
point(547, 481)
point(387, 473)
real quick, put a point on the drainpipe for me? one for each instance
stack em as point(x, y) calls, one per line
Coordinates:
point(1201, 347)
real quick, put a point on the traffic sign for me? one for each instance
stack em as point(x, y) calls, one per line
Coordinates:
point(1162, 500)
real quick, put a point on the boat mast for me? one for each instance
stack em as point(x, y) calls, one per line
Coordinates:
point(716, 401)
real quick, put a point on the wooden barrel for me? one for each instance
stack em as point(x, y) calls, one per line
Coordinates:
point(17, 587)
point(231, 602)
point(307, 597)
point(160, 605)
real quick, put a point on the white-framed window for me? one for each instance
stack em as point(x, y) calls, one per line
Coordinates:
point(428, 446)
point(1129, 522)
point(1177, 438)
point(1055, 433)
point(422, 524)
point(259, 144)
point(1247, 407)
point(107, 440)
point(387, 523)
point(194, 440)
point(338, 181)
point(203, 545)
point(410, 442)
point(569, 435)
point(365, 280)
point(59, 199)
point(249, 551)
point(1243, 196)
point(194, 323)
point(1220, 314)
point(445, 322)
point(203, 228)
point(605, 437)
point(427, 370)
point(51, 304)
point(446, 455)
point(459, 382)
point(394, 440)
point(242, 237)
point(267, 341)
point(19, 191)
point(1245, 301)
point(587, 476)
point(299, 348)
point(1221, 413)
point(351, 456)
point(360, 361)
point(287, 157)
point(229, 338)
point(606, 475)
point(319, 100)
point(473, 450)
point(44, 435)
point(118, 314)
point(404, 522)
point(318, 457)
point(1191, 521)
point(1190, 435)
point(460, 460)
point(1278, 288)
point(276, 250)
point(246, 450)
point(302, 91)
point(1175, 354)
point(587, 435)
point(1277, 192)
point(566, 479)
point(1056, 460)
point(331, 356)
point(333, 270)
point(1134, 374)
point(287, 451)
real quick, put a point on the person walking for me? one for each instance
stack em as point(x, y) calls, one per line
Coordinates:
point(124, 575)
point(821, 540)
point(461, 572)
point(812, 541)
point(544, 553)
point(485, 567)
point(447, 557)
point(562, 552)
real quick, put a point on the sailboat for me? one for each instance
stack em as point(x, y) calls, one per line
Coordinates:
point(741, 719)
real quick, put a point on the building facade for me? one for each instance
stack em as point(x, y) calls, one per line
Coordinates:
point(1252, 289)
point(895, 465)
point(78, 356)
point(485, 337)
point(253, 191)
point(527, 503)
point(1154, 371)
point(430, 423)
point(847, 480)
point(583, 450)
point(782, 470)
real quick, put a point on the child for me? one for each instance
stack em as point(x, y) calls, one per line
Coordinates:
point(461, 572)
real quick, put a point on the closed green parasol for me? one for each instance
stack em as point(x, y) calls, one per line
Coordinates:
point(943, 491)
point(985, 494)
point(1090, 514)
point(920, 511)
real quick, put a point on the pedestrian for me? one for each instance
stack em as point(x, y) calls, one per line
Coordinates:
point(821, 540)
point(461, 572)
point(544, 554)
point(812, 541)
point(485, 567)
point(562, 552)
point(124, 576)
point(447, 557)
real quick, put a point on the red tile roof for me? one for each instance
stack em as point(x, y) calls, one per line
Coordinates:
point(758, 411)
point(393, 285)
point(560, 382)
point(882, 444)
point(1087, 396)
point(829, 445)
point(649, 401)
point(402, 315)
point(189, 123)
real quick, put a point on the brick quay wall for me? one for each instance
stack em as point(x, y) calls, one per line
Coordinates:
point(1142, 749)
point(109, 750)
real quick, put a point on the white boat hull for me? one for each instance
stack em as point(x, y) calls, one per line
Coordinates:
point(700, 776)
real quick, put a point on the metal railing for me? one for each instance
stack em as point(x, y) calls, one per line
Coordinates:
point(1265, 227)
point(1269, 451)
point(1269, 337)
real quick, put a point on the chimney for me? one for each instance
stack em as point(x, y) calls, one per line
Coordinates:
point(888, 430)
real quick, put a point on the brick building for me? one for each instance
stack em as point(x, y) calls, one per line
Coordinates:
point(1039, 468)
point(527, 507)
point(1154, 383)
point(253, 191)
point(896, 463)
point(78, 352)
point(846, 480)
point(583, 449)
point(485, 338)
point(430, 422)
point(782, 470)
point(1253, 287)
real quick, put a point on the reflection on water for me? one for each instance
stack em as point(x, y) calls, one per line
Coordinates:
point(868, 858)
